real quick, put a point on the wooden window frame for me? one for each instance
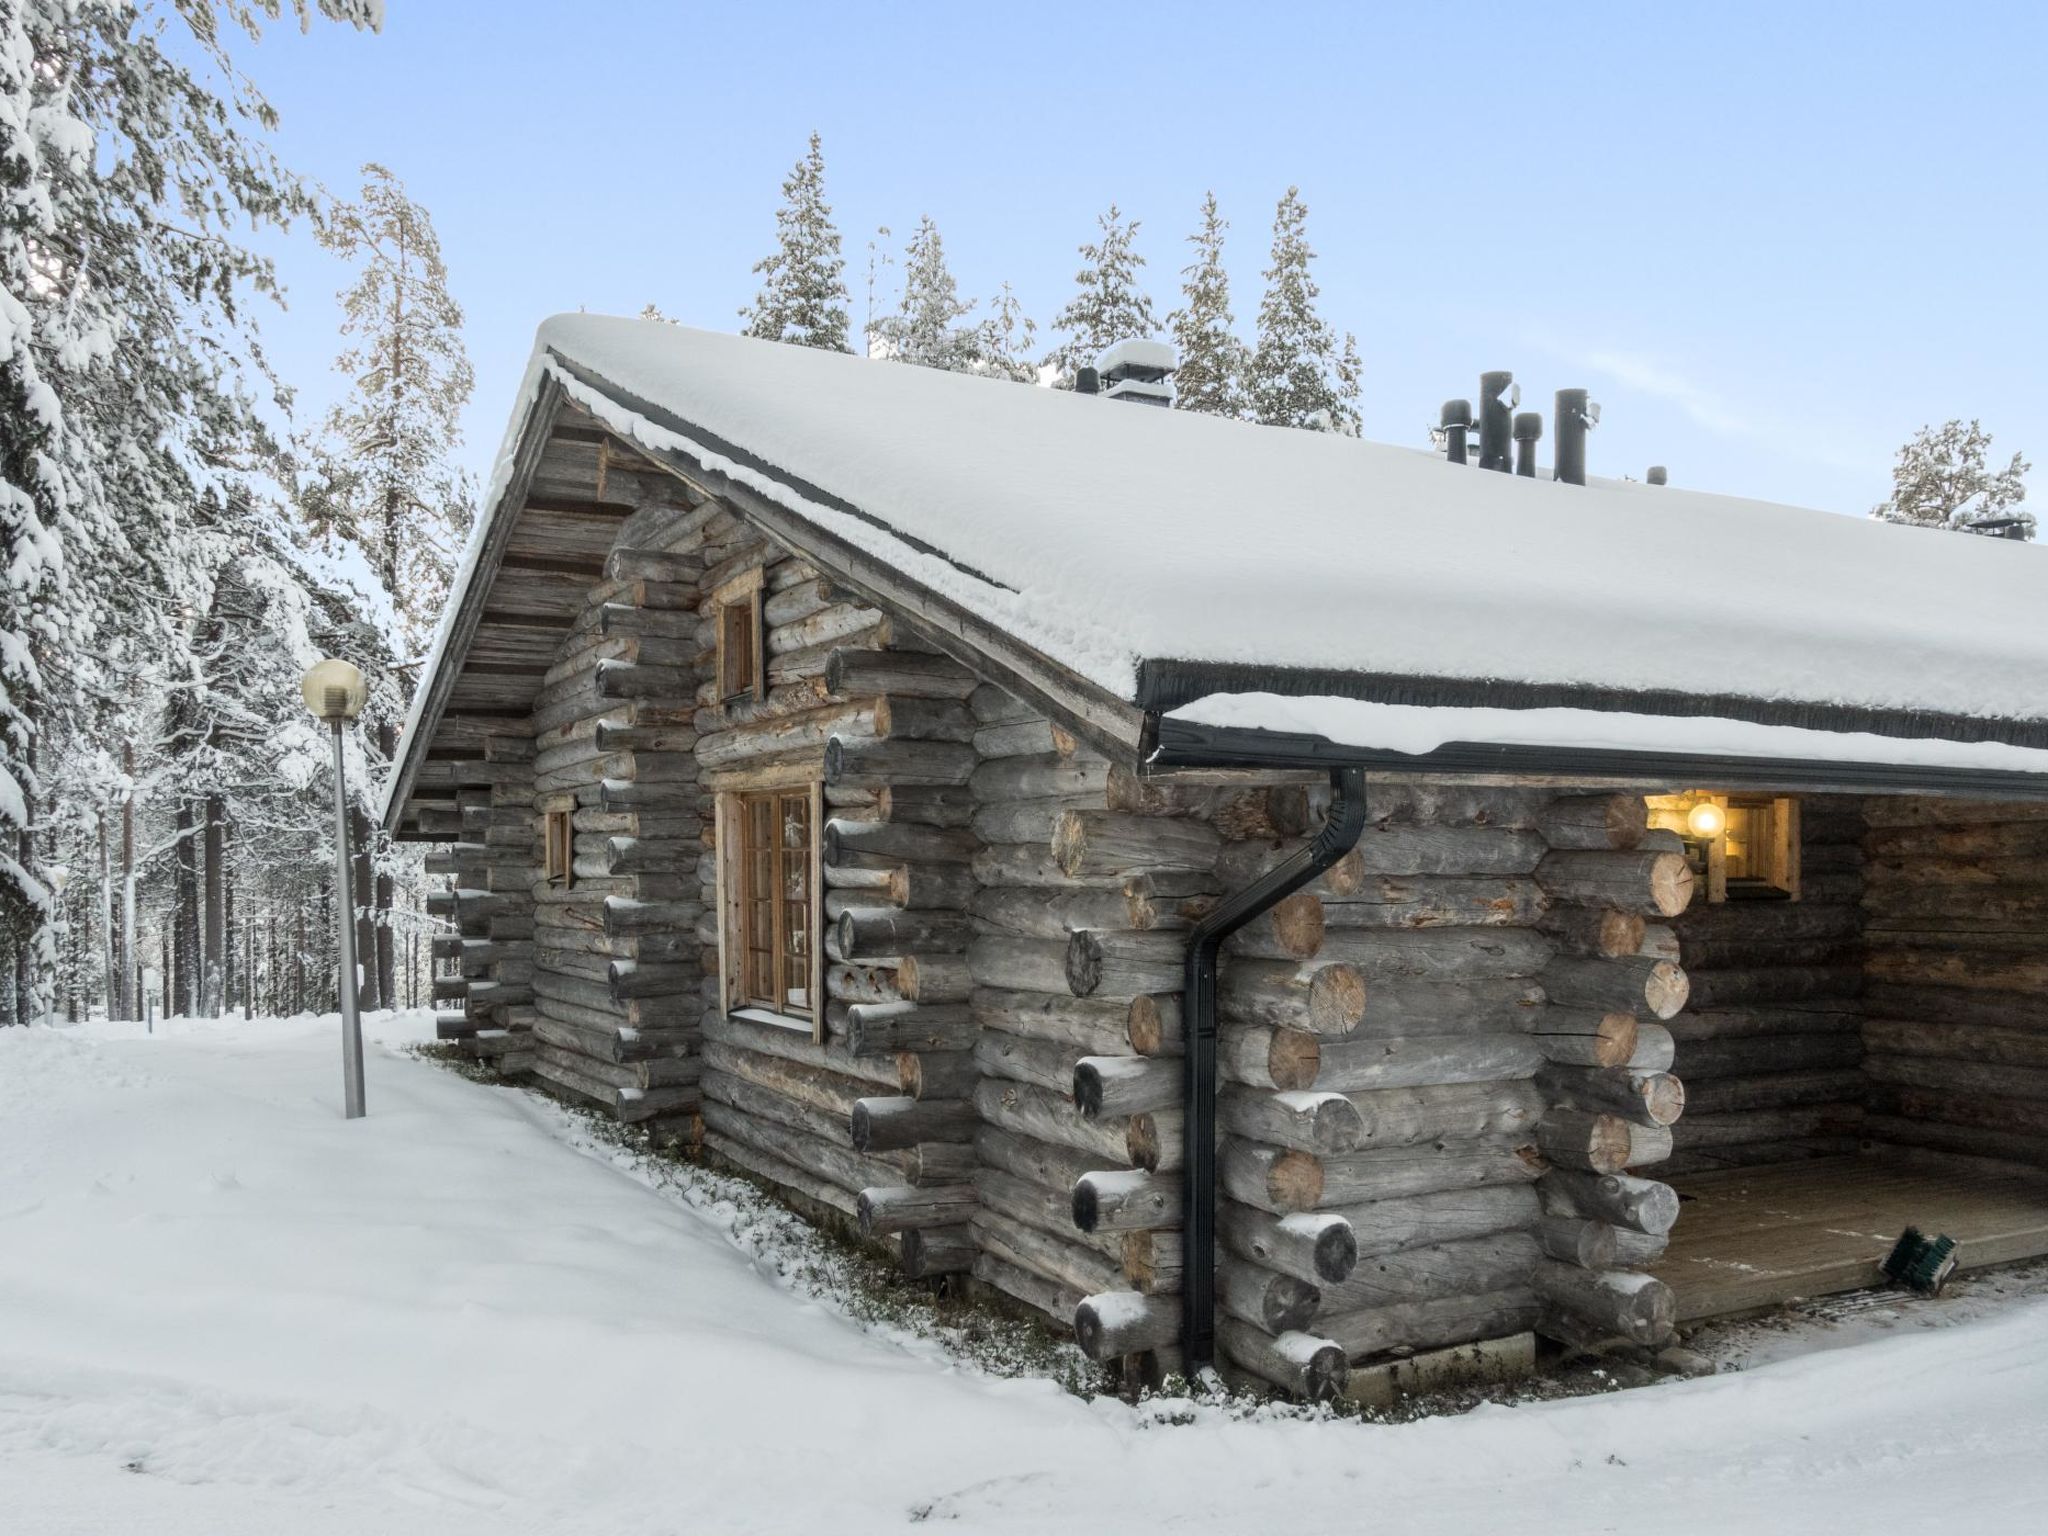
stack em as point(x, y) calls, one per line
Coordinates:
point(558, 847)
point(736, 902)
point(742, 636)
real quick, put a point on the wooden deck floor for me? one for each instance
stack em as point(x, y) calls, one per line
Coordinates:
point(1756, 1237)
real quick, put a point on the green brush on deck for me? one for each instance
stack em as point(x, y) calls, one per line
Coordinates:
point(1923, 1262)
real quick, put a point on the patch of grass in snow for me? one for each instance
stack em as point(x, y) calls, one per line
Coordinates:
point(446, 1053)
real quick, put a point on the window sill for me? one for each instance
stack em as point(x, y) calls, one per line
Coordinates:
point(777, 1020)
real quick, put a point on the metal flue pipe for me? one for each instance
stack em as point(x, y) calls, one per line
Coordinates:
point(1528, 432)
point(1495, 415)
point(1574, 418)
point(1456, 421)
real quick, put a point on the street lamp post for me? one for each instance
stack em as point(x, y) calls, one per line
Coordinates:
point(334, 692)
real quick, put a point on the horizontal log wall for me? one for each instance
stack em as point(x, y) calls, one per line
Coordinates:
point(1770, 1046)
point(1085, 884)
point(874, 1122)
point(1426, 1147)
point(1955, 1027)
point(616, 978)
point(1613, 1102)
point(490, 906)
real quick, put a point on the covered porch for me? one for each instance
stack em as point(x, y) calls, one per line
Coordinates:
point(1757, 1237)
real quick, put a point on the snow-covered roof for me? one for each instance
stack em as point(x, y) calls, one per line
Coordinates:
point(1165, 556)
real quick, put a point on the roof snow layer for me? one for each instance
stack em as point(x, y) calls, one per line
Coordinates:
point(1104, 536)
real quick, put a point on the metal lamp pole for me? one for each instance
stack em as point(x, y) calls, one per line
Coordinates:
point(334, 691)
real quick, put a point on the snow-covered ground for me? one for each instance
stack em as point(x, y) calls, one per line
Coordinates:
point(223, 1310)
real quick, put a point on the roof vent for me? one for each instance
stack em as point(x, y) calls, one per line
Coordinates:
point(1498, 398)
point(1576, 416)
point(1658, 475)
point(1454, 423)
point(1087, 381)
point(1138, 370)
point(1528, 433)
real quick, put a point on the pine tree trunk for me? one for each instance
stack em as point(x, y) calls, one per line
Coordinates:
point(230, 975)
point(131, 958)
point(110, 944)
point(387, 895)
point(185, 951)
point(363, 887)
point(213, 932)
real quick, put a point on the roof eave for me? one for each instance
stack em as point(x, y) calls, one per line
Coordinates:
point(469, 599)
point(1182, 744)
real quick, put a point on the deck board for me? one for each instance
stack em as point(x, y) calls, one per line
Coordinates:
point(1756, 1237)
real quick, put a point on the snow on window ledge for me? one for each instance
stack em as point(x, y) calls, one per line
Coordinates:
point(769, 1016)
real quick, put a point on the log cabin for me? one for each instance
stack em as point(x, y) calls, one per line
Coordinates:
point(1262, 899)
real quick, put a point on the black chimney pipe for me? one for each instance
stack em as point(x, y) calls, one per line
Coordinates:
point(1659, 475)
point(1494, 424)
point(1456, 420)
point(1087, 381)
point(1528, 432)
point(1570, 449)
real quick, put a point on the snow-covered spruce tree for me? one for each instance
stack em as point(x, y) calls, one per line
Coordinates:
point(926, 327)
point(1212, 361)
point(1943, 479)
point(803, 290)
point(1002, 342)
point(1108, 306)
point(383, 477)
point(132, 162)
point(1301, 375)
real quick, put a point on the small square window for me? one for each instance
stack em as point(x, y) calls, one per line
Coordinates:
point(742, 667)
point(560, 848)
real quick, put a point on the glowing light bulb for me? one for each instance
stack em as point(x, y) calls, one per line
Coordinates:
point(1706, 819)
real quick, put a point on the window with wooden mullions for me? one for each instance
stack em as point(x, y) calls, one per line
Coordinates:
point(559, 845)
point(742, 641)
point(772, 910)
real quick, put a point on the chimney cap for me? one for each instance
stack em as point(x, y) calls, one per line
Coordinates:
point(1086, 381)
point(1528, 426)
point(1658, 475)
point(1456, 413)
point(1139, 354)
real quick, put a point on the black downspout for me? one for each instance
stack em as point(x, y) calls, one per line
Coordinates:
point(1339, 832)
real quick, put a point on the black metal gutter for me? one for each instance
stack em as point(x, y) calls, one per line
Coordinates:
point(1339, 832)
point(1183, 744)
point(1167, 683)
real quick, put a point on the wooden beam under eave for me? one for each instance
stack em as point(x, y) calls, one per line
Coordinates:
point(584, 570)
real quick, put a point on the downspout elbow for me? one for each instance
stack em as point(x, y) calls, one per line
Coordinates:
point(1337, 835)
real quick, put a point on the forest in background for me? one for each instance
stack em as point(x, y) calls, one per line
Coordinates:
point(180, 546)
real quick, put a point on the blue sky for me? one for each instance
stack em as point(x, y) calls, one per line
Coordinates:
point(1773, 240)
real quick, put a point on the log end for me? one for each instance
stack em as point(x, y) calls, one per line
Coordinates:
point(1671, 881)
point(1084, 964)
point(1666, 989)
point(1288, 1303)
point(1324, 1372)
point(1087, 1205)
point(1298, 924)
point(1087, 1090)
point(1336, 1251)
point(1336, 999)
